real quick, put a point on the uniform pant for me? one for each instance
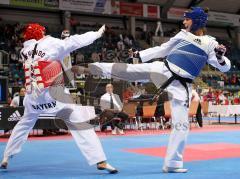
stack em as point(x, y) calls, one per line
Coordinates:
point(178, 136)
point(180, 123)
point(86, 139)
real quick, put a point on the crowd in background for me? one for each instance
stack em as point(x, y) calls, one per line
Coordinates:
point(11, 42)
point(113, 47)
point(222, 80)
point(219, 97)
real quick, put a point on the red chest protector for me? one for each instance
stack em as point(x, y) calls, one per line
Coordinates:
point(43, 74)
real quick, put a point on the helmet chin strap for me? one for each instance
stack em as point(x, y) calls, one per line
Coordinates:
point(188, 29)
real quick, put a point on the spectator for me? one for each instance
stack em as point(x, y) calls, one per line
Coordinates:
point(120, 45)
point(127, 94)
point(79, 58)
point(95, 57)
point(222, 98)
point(111, 107)
point(234, 79)
point(18, 100)
point(209, 95)
point(236, 100)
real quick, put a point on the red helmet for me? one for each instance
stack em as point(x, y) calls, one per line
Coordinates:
point(33, 31)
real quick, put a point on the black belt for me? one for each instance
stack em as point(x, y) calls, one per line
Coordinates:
point(174, 76)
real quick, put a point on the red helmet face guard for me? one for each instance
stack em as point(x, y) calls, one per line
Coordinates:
point(34, 31)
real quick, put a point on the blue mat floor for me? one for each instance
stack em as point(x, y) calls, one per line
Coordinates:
point(62, 159)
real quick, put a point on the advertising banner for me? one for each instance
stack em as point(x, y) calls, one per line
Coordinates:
point(230, 19)
point(5, 2)
point(176, 13)
point(36, 3)
point(215, 17)
point(131, 9)
point(151, 11)
point(135, 9)
point(96, 6)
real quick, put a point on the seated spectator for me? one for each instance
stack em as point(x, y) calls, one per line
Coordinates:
point(127, 94)
point(209, 95)
point(18, 100)
point(127, 41)
point(236, 100)
point(79, 58)
point(111, 107)
point(234, 79)
point(222, 98)
point(95, 57)
point(120, 45)
point(138, 90)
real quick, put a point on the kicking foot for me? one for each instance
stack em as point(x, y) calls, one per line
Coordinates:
point(174, 170)
point(4, 163)
point(106, 166)
point(120, 131)
point(114, 131)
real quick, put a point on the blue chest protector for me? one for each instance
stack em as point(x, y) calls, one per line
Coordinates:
point(188, 57)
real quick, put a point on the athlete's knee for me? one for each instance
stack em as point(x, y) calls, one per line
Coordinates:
point(64, 114)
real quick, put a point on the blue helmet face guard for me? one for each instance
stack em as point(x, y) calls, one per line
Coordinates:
point(198, 16)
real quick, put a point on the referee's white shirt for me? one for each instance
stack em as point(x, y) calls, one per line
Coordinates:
point(105, 102)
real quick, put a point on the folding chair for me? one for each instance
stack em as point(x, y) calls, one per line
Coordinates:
point(167, 111)
point(193, 111)
point(149, 111)
point(205, 107)
point(130, 109)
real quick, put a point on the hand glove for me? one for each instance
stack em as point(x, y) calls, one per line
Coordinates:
point(220, 51)
point(102, 30)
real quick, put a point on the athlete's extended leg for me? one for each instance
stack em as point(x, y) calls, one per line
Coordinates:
point(19, 136)
point(122, 71)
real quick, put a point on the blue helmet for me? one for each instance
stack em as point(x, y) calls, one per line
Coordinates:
point(199, 18)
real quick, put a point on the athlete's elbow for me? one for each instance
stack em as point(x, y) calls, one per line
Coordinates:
point(225, 68)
